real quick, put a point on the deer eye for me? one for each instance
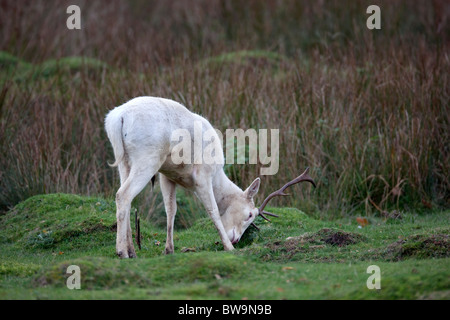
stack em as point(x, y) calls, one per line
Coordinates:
point(250, 215)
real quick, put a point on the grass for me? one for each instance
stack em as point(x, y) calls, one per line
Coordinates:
point(293, 257)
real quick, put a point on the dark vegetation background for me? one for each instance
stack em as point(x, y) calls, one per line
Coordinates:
point(368, 111)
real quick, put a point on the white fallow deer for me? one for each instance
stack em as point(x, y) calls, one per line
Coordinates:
point(140, 133)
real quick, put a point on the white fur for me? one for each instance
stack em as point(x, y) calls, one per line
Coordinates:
point(140, 133)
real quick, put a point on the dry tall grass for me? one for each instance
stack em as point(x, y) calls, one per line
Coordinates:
point(366, 110)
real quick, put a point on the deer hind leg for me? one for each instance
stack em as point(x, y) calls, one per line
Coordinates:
point(140, 174)
point(124, 171)
point(168, 189)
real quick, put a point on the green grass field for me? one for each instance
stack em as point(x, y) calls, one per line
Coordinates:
point(293, 257)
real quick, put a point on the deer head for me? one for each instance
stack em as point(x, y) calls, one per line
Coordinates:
point(241, 212)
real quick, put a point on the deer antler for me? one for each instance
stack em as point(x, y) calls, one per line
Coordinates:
point(303, 177)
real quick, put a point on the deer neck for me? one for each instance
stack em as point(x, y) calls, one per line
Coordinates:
point(224, 191)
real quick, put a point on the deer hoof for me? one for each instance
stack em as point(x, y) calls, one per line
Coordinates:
point(228, 248)
point(127, 253)
point(122, 255)
point(132, 253)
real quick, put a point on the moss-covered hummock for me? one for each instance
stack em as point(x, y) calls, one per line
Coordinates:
point(45, 222)
point(265, 61)
point(420, 246)
point(16, 69)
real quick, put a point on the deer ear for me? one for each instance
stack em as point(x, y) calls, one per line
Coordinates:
point(253, 189)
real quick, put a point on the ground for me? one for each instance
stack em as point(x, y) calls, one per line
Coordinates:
point(292, 257)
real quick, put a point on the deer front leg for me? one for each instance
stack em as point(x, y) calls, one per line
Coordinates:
point(170, 204)
point(206, 195)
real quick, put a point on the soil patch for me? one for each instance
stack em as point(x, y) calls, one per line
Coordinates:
point(315, 240)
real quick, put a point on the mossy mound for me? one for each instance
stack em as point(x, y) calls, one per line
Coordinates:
point(320, 238)
point(19, 70)
point(264, 60)
point(247, 56)
point(47, 220)
point(101, 272)
point(311, 245)
point(332, 237)
point(14, 268)
point(68, 65)
point(11, 67)
point(95, 272)
point(9, 62)
point(420, 247)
